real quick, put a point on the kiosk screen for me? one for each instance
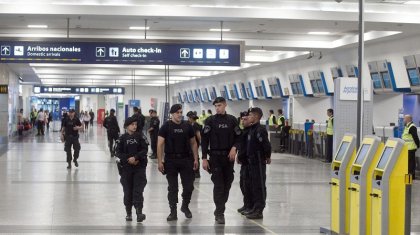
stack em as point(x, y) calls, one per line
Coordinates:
point(385, 157)
point(377, 83)
point(343, 148)
point(362, 154)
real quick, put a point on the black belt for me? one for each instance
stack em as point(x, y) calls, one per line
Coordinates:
point(219, 152)
point(177, 155)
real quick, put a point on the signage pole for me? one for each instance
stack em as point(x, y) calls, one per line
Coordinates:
point(360, 90)
point(68, 27)
point(221, 30)
point(145, 29)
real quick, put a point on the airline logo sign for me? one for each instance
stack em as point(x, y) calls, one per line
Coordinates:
point(349, 89)
point(121, 53)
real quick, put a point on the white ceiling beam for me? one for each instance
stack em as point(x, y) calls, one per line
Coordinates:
point(394, 13)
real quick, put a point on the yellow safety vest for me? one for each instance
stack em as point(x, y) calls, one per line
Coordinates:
point(330, 128)
point(408, 138)
point(279, 121)
point(271, 120)
point(202, 118)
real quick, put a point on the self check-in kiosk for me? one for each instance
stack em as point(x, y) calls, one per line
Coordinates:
point(361, 185)
point(391, 191)
point(340, 181)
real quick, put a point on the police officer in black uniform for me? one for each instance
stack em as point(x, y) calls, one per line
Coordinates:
point(139, 118)
point(258, 150)
point(245, 179)
point(112, 129)
point(153, 132)
point(131, 155)
point(222, 134)
point(192, 120)
point(177, 138)
point(70, 127)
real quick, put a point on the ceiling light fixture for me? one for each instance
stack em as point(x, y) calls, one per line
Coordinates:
point(219, 30)
point(258, 50)
point(35, 26)
point(319, 33)
point(412, 3)
point(139, 28)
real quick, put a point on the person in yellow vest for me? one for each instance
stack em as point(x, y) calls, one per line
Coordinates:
point(412, 141)
point(330, 135)
point(281, 122)
point(272, 119)
point(202, 117)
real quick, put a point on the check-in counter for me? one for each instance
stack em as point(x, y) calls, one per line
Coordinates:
point(385, 132)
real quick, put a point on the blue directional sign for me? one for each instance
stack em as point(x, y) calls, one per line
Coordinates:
point(203, 54)
point(79, 90)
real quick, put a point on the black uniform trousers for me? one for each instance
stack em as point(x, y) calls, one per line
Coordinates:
point(329, 153)
point(245, 185)
point(71, 140)
point(153, 140)
point(412, 162)
point(222, 176)
point(257, 173)
point(184, 167)
point(112, 137)
point(133, 179)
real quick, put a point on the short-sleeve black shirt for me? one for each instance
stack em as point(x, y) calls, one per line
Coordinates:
point(68, 125)
point(177, 137)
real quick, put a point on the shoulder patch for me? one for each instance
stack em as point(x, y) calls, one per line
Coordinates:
point(206, 129)
point(238, 130)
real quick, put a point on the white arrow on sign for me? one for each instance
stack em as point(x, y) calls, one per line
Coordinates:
point(100, 52)
point(5, 50)
point(185, 53)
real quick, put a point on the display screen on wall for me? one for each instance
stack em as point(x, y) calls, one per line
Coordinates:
point(314, 87)
point(377, 83)
point(320, 86)
point(414, 77)
point(387, 80)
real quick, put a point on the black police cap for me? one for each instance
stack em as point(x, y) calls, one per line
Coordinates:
point(192, 114)
point(128, 121)
point(219, 100)
point(112, 110)
point(256, 110)
point(70, 111)
point(175, 108)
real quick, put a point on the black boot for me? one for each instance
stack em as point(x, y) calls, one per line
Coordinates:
point(220, 219)
point(240, 210)
point(140, 216)
point(247, 211)
point(69, 165)
point(129, 217)
point(186, 210)
point(257, 214)
point(173, 215)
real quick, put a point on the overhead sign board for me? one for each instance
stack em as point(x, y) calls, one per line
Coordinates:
point(79, 90)
point(201, 54)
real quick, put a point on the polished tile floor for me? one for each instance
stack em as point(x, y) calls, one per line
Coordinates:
point(38, 195)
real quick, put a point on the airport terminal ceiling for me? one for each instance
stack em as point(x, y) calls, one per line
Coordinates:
point(271, 31)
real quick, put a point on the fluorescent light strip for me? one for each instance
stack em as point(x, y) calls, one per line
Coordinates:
point(34, 26)
point(412, 3)
point(139, 28)
point(218, 30)
point(319, 33)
